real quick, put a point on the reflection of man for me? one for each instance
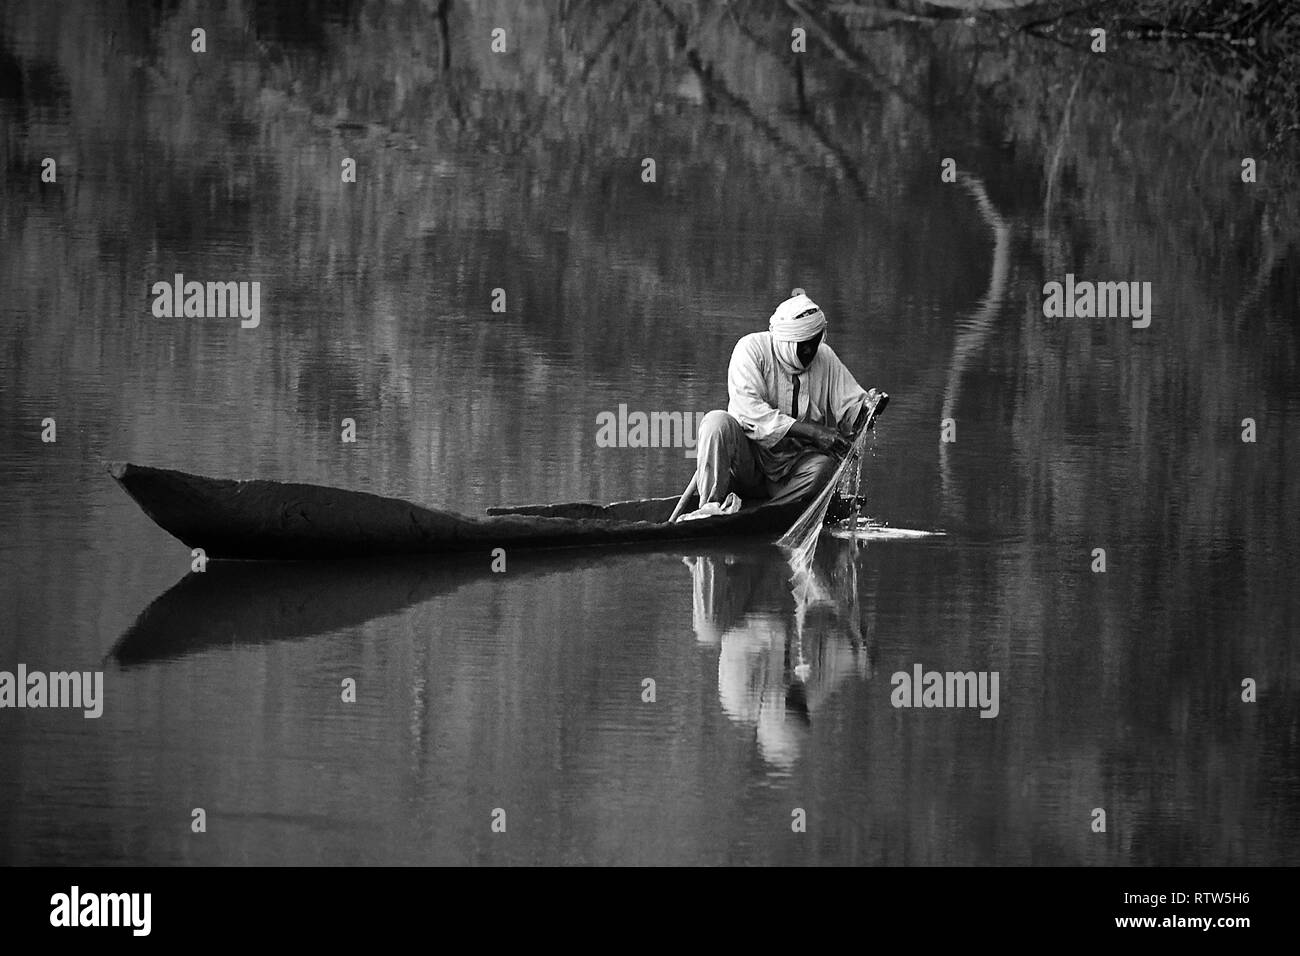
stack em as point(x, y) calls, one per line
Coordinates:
point(792, 409)
point(773, 672)
point(753, 681)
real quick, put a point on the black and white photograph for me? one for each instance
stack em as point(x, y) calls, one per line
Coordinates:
point(650, 433)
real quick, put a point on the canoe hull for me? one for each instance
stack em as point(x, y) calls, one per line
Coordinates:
point(269, 520)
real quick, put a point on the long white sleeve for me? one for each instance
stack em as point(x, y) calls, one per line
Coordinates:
point(750, 393)
point(844, 396)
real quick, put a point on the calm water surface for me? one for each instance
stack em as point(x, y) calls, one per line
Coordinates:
point(523, 690)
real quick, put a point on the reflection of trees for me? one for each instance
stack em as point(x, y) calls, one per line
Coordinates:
point(782, 651)
point(1252, 49)
point(974, 331)
point(520, 171)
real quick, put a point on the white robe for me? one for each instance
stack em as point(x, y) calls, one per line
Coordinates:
point(761, 391)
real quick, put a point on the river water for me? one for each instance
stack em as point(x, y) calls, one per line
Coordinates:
point(526, 691)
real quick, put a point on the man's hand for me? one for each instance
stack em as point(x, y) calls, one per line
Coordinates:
point(872, 395)
point(823, 438)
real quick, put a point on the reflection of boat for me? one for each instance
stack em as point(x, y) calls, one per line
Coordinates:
point(270, 520)
point(237, 603)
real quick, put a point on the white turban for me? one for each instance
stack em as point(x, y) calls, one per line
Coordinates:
point(797, 319)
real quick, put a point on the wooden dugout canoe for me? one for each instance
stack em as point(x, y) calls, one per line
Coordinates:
point(270, 520)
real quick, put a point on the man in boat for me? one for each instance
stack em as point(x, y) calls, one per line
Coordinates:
point(793, 411)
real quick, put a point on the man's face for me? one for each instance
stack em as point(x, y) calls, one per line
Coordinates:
point(807, 350)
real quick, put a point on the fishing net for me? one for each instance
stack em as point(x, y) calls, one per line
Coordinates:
point(801, 540)
point(834, 589)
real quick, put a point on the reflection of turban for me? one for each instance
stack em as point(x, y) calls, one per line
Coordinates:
point(781, 734)
point(797, 319)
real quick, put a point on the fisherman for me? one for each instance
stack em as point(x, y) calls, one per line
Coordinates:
point(793, 411)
